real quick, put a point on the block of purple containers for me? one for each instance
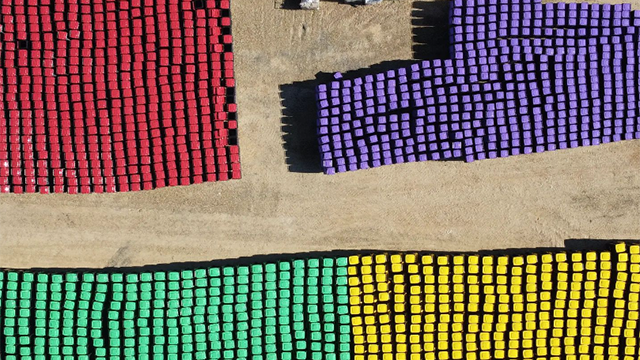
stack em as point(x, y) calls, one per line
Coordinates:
point(523, 77)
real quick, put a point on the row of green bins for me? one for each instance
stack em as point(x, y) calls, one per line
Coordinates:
point(283, 310)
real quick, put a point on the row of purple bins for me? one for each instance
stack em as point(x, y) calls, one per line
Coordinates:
point(500, 95)
point(565, 106)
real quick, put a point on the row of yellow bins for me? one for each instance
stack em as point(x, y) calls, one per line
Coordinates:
point(561, 305)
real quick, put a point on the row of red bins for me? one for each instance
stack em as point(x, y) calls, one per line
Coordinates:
point(114, 96)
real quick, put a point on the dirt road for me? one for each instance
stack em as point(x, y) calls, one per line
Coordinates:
point(282, 206)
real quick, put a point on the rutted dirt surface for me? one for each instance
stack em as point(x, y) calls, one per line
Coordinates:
point(524, 201)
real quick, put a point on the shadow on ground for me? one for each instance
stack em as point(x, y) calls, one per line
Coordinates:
point(430, 29)
point(299, 126)
point(594, 244)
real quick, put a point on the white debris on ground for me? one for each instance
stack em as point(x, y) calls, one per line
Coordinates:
point(310, 4)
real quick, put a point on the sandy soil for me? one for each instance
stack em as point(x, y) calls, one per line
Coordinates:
point(281, 205)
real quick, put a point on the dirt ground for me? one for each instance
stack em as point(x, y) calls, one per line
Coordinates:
point(282, 205)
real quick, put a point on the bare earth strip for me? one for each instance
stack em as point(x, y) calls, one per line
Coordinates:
point(523, 201)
